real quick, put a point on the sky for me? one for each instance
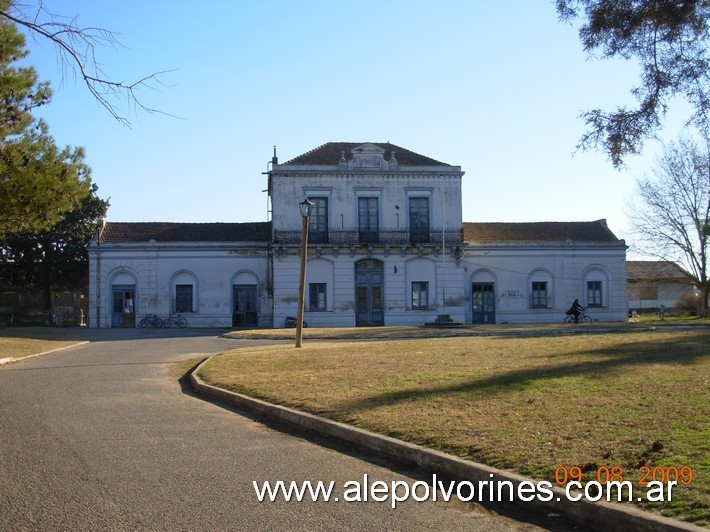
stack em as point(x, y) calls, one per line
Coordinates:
point(496, 88)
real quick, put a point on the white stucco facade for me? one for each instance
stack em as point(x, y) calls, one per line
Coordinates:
point(562, 270)
point(362, 251)
point(130, 280)
point(387, 246)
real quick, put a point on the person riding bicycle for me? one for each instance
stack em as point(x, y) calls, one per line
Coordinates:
point(576, 310)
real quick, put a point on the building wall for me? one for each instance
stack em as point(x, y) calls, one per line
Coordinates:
point(566, 270)
point(442, 266)
point(154, 269)
point(333, 261)
point(344, 189)
point(652, 295)
point(214, 269)
point(338, 273)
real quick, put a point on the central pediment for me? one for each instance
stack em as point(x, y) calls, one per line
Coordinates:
point(367, 157)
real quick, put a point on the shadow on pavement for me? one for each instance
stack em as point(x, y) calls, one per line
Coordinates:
point(515, 511)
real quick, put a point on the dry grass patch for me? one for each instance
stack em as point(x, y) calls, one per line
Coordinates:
point(395, 332)
point(527, 404)
point(16, 342)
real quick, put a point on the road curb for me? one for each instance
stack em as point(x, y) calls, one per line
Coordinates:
point(601, 515)
point(10, 360)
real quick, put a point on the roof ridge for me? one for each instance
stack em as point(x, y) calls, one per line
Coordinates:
point(186, 232)
point(588, 231)
point(329, 154)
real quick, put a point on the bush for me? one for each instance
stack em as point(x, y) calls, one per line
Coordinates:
point(687, 303)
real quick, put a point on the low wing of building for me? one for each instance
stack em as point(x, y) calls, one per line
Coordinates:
point(653, 285)
point(532, 272)
point(213, 273)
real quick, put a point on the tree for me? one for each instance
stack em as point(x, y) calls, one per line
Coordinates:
point(38, 181)
point(671, 213)
point(56, 258)
point(670, 39)
point(76, 51)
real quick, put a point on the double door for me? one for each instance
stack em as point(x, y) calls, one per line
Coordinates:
point(244, 312)
point(483, 303)
point(369, 283)
point(123, 305)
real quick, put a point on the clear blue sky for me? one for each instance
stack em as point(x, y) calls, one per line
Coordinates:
point(496, 88)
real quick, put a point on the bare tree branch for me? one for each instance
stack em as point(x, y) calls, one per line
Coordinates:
point(671, 212)
point(76, 50)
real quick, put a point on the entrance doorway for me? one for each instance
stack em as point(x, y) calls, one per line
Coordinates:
point(123, 305)
point(483, 303)
point(244, 312)
point(369, 281)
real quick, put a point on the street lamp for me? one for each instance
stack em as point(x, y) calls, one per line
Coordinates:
point(306, 208)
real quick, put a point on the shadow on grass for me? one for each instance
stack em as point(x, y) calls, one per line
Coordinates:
point(538, 517)
point(676, 351)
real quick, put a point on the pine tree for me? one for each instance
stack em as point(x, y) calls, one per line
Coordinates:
point(38, 181)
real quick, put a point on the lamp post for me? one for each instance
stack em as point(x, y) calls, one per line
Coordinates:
point(306, 208)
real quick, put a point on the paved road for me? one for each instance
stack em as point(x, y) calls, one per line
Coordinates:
point(104, 437)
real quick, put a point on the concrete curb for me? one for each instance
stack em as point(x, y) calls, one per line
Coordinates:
point(10, 360)
point(601, 515)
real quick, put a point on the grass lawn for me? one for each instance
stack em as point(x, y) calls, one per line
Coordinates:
point(527, 403)
point(16, 342)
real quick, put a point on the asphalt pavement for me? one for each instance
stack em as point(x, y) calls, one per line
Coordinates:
point(103, 436)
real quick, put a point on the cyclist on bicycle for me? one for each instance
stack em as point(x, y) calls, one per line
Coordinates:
point(576, 310)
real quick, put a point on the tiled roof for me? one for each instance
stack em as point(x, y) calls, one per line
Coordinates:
point(596, 231)
point(329, 154)
point(657, 270)
point(186, 232)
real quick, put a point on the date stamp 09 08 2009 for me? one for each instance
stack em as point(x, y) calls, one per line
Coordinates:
point(682, 475)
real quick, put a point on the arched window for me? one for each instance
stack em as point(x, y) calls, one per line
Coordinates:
point(540, 286)
point(183, 292)
point(596, 287)
point(319, 285)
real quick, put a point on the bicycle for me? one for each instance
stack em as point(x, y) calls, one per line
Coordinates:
point(152, 320)
point(292, 321)
point(175, 319)
point(583, 318)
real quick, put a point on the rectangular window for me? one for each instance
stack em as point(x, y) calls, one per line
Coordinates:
point(594, 293)
point(318, 221)
point(183, 298)
point(418, 220)
point(649, 293)
point(420, 295)
point(368, 220)
point(318, 300)
point(539, 294)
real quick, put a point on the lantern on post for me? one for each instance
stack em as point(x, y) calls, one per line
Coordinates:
point(306, 209)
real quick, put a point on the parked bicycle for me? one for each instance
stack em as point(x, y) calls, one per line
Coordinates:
point(583, 318)
point(292, 321)
point(152, 320)
point(175, 319)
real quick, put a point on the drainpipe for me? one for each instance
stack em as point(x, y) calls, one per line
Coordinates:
point(270, 280)
point(98, 284)
point(98, 273)
point(443, 248)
